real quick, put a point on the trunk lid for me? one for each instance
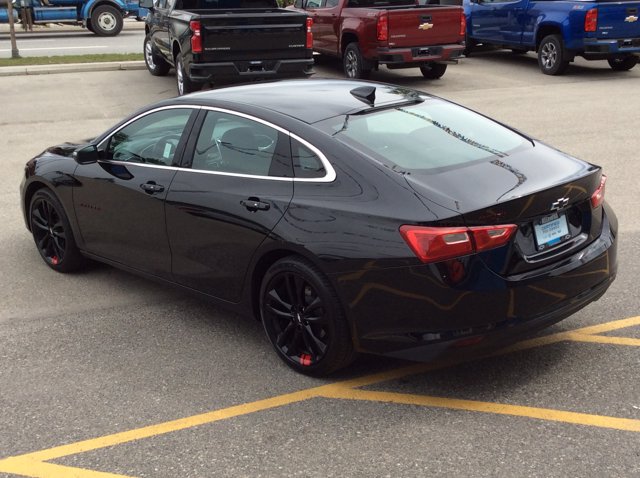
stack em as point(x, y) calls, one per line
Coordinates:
point(545, 193)
point(619, 20)
point(433, 25)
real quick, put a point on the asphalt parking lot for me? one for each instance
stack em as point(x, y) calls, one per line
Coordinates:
point(104, 374)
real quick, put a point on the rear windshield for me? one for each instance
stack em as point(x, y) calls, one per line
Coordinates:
point(425, 137)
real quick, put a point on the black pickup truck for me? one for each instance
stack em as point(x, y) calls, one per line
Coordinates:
point(207, 40)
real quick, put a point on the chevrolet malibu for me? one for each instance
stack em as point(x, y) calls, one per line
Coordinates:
point(346, 216)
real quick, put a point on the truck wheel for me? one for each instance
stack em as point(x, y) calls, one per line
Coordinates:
point(551, 56)
point(156, 65)
point(355, 66)
point(89, 26)
point(624, 63)
point(106, 21)
point(185, 85)
point(433, 71)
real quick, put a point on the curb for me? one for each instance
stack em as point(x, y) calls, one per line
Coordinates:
point(71, 68)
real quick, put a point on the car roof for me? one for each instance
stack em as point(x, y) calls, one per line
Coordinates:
point(306, 100)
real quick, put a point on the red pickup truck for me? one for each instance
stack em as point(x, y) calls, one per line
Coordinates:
point(395, 33)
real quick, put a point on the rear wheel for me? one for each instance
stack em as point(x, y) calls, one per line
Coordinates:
point(156, 65)
point(624, 63)
point(52, 233)
point(551, 56)
point(433, 71)
point(185, 85)
point(106, 21)
point(89, 26)
point(303, 318)
point(354, 64)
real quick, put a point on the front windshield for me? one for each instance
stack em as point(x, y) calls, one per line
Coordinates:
point(428, 136)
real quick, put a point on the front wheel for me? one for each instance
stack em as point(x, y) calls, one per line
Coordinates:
point(433, 71)
point(52, 233)
point(156, 65)
point(303, 318)
point(623, 63)
point(551, 55)
point(185, 85)
point(106, 21)
point(354, 64)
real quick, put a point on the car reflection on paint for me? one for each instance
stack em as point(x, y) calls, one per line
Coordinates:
point(347, 216)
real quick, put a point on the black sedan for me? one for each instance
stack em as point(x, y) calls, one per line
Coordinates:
point(347, 216)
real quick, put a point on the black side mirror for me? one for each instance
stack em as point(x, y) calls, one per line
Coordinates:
point(86, 154)
point(146, 4)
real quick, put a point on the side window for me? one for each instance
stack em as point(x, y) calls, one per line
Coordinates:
point(151, 139)
point(314, 4)
point(299, 4)
point(306, 163)
point(331, 3)
point(162, 4)
point(233, 144)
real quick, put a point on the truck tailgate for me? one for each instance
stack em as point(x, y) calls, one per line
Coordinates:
point(619, 20)
point(274, 34)
point(431, 25)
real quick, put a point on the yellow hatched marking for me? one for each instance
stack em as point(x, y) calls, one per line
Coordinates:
point(38, 469)
point(489, 407)
point(605, 339)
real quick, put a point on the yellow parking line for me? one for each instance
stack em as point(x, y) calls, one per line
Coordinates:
point(604, 339)
point(489, 407)
point(31, 464)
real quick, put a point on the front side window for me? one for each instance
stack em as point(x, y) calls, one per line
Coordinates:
point(233, 144)
point(152, 139)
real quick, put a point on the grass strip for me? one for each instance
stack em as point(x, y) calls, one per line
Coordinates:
point(54, 60)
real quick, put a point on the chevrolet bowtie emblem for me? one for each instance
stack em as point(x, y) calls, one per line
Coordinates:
point(560, 204)
point(631, 19)
point(425, 26)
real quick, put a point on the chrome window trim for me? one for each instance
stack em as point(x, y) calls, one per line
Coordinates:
point(329, 177)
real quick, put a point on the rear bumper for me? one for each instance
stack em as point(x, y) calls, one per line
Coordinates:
point(418, 313)
point(599, 49)
point(250, 69)
point(415, 56)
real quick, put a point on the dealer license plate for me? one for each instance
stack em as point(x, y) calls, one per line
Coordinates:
point(551, 230)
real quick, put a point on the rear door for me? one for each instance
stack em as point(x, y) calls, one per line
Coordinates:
point(235, 187)
point(424, 26)
point(619, 20)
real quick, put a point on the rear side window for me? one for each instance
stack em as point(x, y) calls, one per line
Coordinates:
point(306, 163)
point(428, 136)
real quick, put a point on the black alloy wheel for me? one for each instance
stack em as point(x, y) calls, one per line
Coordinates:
point(354, 64)
point(156, 65)
point(303, 319)
point(52, 233)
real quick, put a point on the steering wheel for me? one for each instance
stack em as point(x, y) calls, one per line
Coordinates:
point(264, 142)
point(165, 148)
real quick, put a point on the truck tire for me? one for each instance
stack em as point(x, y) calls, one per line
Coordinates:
point(89, 26)
point(106, 21)
point(354, 65)
point(156, 65)
point(185, 85)
point(433, 71)
point(624, 63)
point(551, 55)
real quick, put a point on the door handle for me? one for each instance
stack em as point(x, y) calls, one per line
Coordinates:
point(254, 204)
point(151, 187)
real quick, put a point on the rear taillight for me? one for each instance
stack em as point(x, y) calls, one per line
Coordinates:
point(309, 43)
point(463, 24)
point(591, 20)
point(597, 198)
point(383, 27)
point(433, 244)
point(196, 37)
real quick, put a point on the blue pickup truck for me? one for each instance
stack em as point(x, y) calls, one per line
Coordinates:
point(558, 30)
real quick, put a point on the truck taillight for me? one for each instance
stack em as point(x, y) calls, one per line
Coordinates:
point(463, 24)
point(591, 20)
point(597, 198)
point(383, 27)
point(196, 36)
point(433, 244)
point(309, 43)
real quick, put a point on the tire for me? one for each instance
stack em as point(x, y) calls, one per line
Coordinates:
point(89, 26)
point(469, 45)
point(156, 65)
point(106, 21)
point(623, 63)
point(353, 64)
point(551, 56)
point(303, 318)
point(52, 233)
point(184, 83)
point(433, 71)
